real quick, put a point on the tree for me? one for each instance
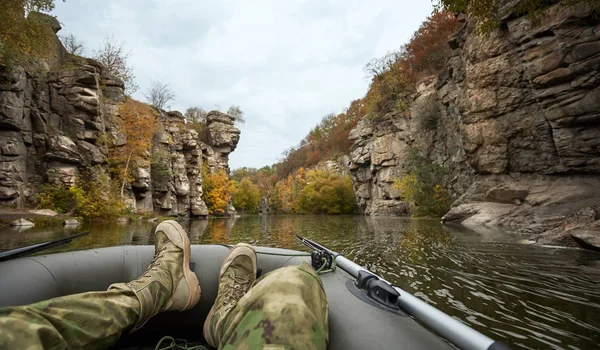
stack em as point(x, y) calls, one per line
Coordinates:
point(327, 193)
point(73, 45)
point(112, 55)
point(159, 95)
point(195, 115)
point(138, 124)
point(217, 190)
point(236, 114)
point(38, 5)
point(246, 196)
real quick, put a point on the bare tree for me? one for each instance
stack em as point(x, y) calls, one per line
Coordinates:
point(378, 66)
point(73, 45)
point(113, 56)
point(159, 95)
point(195, 115)
point(236, 114)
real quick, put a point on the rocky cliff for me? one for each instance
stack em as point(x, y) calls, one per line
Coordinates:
point(63, 117)
point(515, 118)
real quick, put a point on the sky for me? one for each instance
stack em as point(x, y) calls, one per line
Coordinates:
point(285, 63)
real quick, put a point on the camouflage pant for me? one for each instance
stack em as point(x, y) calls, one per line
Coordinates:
point(286, 307)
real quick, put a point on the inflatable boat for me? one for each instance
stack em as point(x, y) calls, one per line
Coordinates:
point(361, 317)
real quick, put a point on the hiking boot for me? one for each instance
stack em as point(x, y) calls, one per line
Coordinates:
point(168, 283)
point(235, 279)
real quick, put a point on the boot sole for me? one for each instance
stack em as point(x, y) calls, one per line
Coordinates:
point(181, 240)
point(223, 268)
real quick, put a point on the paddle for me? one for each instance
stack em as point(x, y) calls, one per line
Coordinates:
point(450, 328)
point(34, 248)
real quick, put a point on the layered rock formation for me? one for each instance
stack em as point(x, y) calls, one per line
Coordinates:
point(63, 119)
point(515, 117)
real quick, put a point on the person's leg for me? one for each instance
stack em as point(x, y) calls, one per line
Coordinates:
point(286, 307)
point(88, 320)
point(97, 319)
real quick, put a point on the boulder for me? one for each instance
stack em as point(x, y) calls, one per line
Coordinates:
point(70, 222)
point(22, 223)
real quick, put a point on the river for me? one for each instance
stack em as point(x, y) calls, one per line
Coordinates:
point(528, 296)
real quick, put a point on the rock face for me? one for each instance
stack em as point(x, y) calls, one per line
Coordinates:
point(514, 117)
point(55, 124)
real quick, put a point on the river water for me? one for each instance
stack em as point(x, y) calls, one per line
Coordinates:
point(528, 296)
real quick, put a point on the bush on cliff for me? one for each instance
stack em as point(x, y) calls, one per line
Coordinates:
point(93, 197)
point(486, 12)
point(217, 190)
point(22, 36)
point(422, 186)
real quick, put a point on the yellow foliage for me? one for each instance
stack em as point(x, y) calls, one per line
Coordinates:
point(246, 196)
point(94, 197)
point(138, 122)
point(217, 188)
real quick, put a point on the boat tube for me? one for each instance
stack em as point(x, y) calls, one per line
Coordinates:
point(354, 321)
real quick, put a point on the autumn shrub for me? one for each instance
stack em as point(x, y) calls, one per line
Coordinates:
point(246, 196)
point(422, 186)
point(327, 193)
point(217, 188)
point(94, 197)
point(58, 198)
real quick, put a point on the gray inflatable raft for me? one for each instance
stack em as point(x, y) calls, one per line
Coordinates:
point(354, 323)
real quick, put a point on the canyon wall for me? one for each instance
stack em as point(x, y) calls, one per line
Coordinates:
point(61, 117)
point(515, 118)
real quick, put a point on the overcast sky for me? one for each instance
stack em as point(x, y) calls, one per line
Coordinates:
point(285, 63)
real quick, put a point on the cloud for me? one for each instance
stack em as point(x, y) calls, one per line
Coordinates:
point(285, 63)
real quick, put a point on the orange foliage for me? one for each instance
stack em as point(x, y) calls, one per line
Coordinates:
point(138, 122)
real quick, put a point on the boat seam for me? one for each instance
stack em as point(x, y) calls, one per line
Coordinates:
point(47, 269)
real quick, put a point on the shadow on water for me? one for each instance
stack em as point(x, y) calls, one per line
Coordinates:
point(528, 296)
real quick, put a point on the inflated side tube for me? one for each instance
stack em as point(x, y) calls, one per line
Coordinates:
point(353, 324)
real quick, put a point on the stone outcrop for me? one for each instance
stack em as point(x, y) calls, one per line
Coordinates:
point(59, 122)
point(514, 118)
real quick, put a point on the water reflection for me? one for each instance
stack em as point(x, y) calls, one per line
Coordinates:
point(528, 296)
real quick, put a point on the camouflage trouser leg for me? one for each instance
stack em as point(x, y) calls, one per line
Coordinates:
point(88, 320)
point(286, 307)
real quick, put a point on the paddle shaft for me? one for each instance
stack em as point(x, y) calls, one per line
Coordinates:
point(34, 248)
point(448, 327)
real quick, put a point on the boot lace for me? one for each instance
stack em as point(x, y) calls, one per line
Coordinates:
point(155, 263)
point(238, 287)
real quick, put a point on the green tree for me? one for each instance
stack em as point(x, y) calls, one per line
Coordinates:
point(423, 186)
point(246, 196)
point(327, 193)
